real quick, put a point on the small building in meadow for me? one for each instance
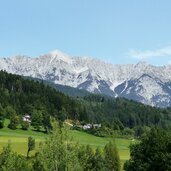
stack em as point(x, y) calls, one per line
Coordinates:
point(87, 126)
point(26, 118)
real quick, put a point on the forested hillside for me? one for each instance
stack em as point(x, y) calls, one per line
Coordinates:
point(20, 96)
point(67, 90)
point(122, 112)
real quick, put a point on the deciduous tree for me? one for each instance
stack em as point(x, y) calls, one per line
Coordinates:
point(112, 156)
point(31, 145)
point(152, 153)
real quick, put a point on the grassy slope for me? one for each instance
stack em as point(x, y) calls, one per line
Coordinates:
point(18, 140)
point(84, 138)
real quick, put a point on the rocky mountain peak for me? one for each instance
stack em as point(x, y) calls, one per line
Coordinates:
point(142, 82)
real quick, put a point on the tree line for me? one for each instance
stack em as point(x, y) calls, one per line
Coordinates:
point(119, 113)
point(19, 96)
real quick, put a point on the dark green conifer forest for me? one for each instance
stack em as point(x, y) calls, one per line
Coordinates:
point(19, 96)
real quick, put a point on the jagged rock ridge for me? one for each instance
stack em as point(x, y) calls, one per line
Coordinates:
point(141, 82)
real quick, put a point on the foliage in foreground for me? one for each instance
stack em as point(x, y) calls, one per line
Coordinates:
point(10, 161)
point(152, 153)
point(58, 152)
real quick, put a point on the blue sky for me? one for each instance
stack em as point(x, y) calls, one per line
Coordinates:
point(117, 31)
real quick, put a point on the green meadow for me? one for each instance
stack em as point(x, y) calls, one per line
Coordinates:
point(18, 140)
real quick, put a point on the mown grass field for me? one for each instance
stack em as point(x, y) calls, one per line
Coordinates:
point(18, 139)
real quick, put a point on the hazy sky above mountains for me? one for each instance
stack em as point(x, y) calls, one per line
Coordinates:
point(117, 31)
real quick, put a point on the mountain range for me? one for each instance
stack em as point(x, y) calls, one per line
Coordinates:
point(142, 82)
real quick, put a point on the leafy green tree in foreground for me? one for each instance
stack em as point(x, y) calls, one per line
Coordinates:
point(99, 163)
point(10, 161)
point(85, 156)
point(153, 153)
point(57, 153)
point(31, 145)
point(112, 156)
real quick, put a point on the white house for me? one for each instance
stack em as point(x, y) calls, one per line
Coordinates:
point(88, 126)
point(26, 118)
